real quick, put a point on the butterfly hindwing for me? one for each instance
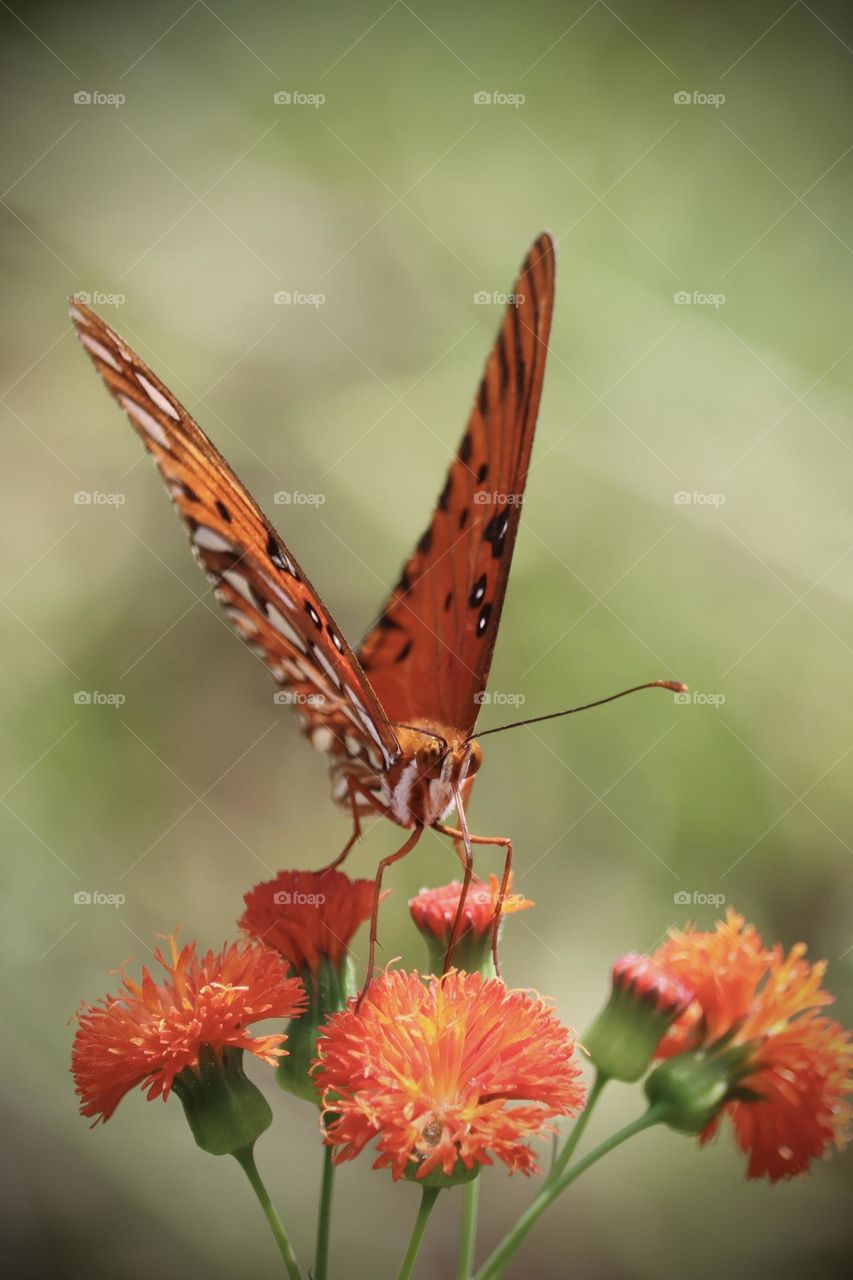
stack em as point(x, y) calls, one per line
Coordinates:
point(428, 655)
point(267, 596)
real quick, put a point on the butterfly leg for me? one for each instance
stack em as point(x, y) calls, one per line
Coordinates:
point(504, 843)
point(355, 791)
point(374, 911)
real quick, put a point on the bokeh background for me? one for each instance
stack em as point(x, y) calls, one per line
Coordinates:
point(384, 210)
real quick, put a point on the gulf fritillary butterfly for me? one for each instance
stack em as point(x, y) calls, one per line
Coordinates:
point(397, 718)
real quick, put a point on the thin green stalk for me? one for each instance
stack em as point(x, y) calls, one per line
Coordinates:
point(429, 1195)
point(324, 1220)
point(564, 1156)
point(496, 1263)
point(468, 1235)
point(246, 1160)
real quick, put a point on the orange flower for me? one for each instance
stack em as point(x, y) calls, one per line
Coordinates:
point(789, 1104)
point(434, 910)
point(445, 1074)
point(308, 916)
point(152, 1031)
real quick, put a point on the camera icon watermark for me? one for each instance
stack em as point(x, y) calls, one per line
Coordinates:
point(494, 497)
point(284, 898)
point(296, 98)
point(98, 298)
point(483, 298)
point(498, 98)
point(294, 298)
point(94, 898)
point(94, 98)
point(685, 498)
point(696, 298)
point(295, 498)
point(94, 498)
point(290, 698)
point(93, 698)
point(693, 698)
point(497, 698)
point(695, 898)
point(697, 98)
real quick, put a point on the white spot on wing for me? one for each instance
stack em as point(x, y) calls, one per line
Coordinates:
point(322, 738)
point(145, 420)
point(284, 628)
point(157, 396)
point(98, 349)
point(210, 539)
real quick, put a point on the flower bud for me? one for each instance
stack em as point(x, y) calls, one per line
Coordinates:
point(644, 1002)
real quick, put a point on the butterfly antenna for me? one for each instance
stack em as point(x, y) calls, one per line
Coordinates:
point(674, 686)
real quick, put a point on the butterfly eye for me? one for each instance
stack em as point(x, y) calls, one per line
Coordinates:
point(429, 755)
point(475, 759)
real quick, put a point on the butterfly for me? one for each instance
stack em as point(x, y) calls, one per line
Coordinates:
point(397, 717)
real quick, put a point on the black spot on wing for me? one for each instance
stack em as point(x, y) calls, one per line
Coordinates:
point(495, 533)
point(425, 541)
point(223, 510)
point(444, 496)
point(404, 652)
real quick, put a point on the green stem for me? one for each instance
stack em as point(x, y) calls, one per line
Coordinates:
point(468, 1237)
point(495, 1264)
point(321, 1261)
point(576, 1134)
point(429, 1195)
point(246, 1160)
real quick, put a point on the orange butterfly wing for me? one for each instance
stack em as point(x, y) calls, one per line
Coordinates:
point(267, 596)
point(428, 655)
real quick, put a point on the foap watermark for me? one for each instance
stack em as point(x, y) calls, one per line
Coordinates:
point(94, 98)
point(696, 298)
point(483, 298)
point(297, 98)
point(94, 698)
point(696, 898)
point(498, 98)
point(496, 698)
point(284, 898)
point(495, 497)
point(693, 698)
point(295, 498)
point(290, 698)
point(98, 298)
point(698, 98)
point(684, 498)
point(94, 898)
point(94, 498)
point(295, 298)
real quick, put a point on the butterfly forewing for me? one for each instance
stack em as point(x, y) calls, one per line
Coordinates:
point(428, 656)
point(270, 601)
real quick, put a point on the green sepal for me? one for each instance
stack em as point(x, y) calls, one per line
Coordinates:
point(225, 1110)
point(689, 1090)
point(328, 992)
point(440, 1180)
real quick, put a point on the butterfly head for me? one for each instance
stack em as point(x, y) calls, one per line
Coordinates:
point(435, 761)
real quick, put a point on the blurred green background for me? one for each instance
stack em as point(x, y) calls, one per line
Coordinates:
point(398, 199)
